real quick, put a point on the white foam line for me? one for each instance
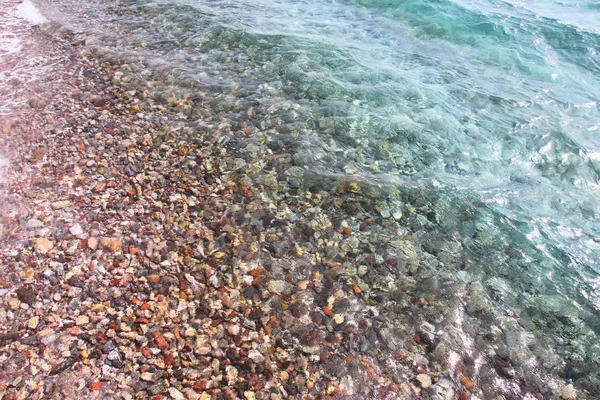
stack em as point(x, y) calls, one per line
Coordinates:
point(29, 12)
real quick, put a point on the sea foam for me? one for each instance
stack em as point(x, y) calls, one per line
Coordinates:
point(29, 12)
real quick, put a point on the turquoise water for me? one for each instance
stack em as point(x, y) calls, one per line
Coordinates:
point(480, 118)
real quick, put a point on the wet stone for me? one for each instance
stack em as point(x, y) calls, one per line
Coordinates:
point(335, 367)
point(27, 295)
point(278, 286)
point(427, 333)
point(503, 352)
point(299, 309)
point(568, 392)
point(34, 224)
point(255, 356)
point(424, 380)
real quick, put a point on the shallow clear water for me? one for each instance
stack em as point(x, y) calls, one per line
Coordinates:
point(483, 115)
point(22, 61)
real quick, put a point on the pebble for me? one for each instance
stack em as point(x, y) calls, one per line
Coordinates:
point(34, 224)
point(255, 356)
point(233, 330)
point(82, 320)
point(27, 295)
point(33, 322)
point(92, 243)
point(203, 349)
point(278, 286)
point(189, 332)
point(58, 205)
point(43, 246)
point(176, 394)
point(568, 392)
point(111, 244)
point(76, 230)
point(424, 380)
point(14, 303)
point(147, 376)
point(28, 274)
point(362, 270)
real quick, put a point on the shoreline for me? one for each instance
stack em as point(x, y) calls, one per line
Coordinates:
point(143, 257)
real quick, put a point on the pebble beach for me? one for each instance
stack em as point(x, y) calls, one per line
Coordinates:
point(156, 245)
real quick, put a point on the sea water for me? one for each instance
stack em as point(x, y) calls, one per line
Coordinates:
point(484, 115)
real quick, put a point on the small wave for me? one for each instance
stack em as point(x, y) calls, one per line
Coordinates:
point(578, 16)
point(30, 13)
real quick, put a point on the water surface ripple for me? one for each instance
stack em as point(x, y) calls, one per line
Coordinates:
point(483, 114)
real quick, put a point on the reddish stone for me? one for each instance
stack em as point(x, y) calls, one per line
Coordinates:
point(111, 244)
point(466, 381)
point(182, 284)
point(464, 395)
point(160, 341)
point(200, 385)
point(187, 251)
point(97, 385)
point(419, 369)
point(136, 301)
point(257, 281)
point(75, 331)
point(258, 272)
point(169, 360)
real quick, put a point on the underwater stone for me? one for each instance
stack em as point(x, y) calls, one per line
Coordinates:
point(568, 392)
point(442, 390)
point(424, 380)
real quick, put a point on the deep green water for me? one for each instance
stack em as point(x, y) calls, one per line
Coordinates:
point(482, 115)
